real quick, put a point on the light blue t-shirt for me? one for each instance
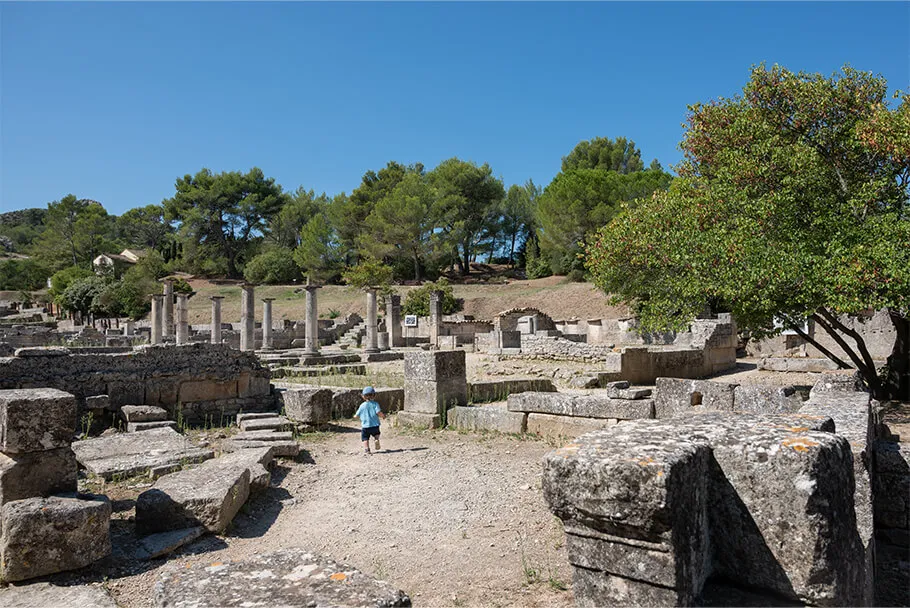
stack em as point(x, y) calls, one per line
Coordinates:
point(368, 413)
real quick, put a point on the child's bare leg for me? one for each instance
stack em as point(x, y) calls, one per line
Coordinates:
point(366, 445)
point(377, 443)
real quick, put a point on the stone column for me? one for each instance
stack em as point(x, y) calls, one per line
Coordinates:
point(129, 328)
point(435, 316)
point(157, 304)
point(393, 321)
point(168, 325)
point(183, 325)
point(216, 319)
point(247, 318)
point(267, 323)
point(372, 345)
point(311, 338)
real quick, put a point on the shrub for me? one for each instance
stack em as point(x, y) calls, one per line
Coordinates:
point(417, 302)
point(273, 267)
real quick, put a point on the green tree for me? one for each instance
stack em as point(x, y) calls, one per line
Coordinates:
point(145, 228)
point(619, 155)
point(367, 273)
point(465, 195)
point(417, 301)
point(284, 228)
point(580, 201)
point(400, 227)
point(273, 267)
point(22, 274)
point(62, 279)
point(517, 213)
point(76, 231)
point(792, 204)
point(318, 254)
point(82, 295)
point(219, 216)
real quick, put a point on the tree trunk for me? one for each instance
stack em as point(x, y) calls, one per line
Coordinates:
point(512, 251)
point(416, 267)
point(466, 267)
point(897, 382)
point(827, 321)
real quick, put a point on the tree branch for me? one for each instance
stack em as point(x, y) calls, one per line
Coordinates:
point(840, 362)
point(840, 341)
point(860, 343)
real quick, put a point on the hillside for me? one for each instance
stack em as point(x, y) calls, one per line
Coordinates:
point(553, 295)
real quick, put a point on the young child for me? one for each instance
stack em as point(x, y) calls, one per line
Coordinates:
point(369, 414)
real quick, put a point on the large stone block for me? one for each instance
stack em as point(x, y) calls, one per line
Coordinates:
point(36, 419)
point(664, 503)
point(307, 405)
point(486, 418)
point(291, 577)
point(420, 421)
point(676, 396)
point(143, 413)
point(209, 495)
point(48, 535)
point(37, 474)
point(429, 397)
point(499, 390)
point(128, 454)
point(555, 427)
point(207, 390)
point(253, 385)
point(754, 399)
point(585, 406)
point(435, 366)
point(46, 595)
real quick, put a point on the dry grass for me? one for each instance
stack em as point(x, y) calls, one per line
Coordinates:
point(553, 295)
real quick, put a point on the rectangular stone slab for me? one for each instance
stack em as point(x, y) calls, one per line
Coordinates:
point(586, 406)
point(680, 396)
point(209, 495)
point(435, 366)
point(486, 418)
point(37, 474)
point(48, 535)
point(277, 423)
point(265, 435)
point(286, 448)
point(143, 413)
point(36, 419)
point(136, 427)
point(306, 405)
point(552, 427)
point(129, 454)
point(418, 420)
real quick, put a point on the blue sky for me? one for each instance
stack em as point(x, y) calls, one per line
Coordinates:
point(114, 101)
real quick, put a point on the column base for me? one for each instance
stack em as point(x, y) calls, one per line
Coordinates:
point(370, 351)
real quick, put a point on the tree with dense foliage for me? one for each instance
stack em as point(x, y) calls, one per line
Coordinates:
point(19, 229)
point(62, 279)
point(580, 201)
point(605, 154)
point(417, 301)
point(465, 195)
point(284, 228)
point(368, 273)
point(318, 254)
point(220, 215)
point(76, 231)
point(146, 228)
point(791, 205)
point(400, 227)
point(272, 267)
point(516, 212)
point(22, 274)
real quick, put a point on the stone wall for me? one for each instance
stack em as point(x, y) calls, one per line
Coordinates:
point(195, 382)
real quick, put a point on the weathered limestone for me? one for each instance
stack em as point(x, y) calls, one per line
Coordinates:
point(345, 401)
point(168, 321)
point(286, 447)
point(585, 406)
point(216, 319)
point(311, 406)
point(652, 507)
point(36, 419)
point(247, 318)
point(420, 420)
point(46, 595)
point(393, 320)
point(183, 325)
point(312, 322)
point(209, 495)
point(256, 461)
point(292, 577)
point(436, 298)
point(499, 390)
point(766, 399)
point(486, 418)
point(157, 321)
point(275, 423)
point(162, 543)
point(126, 454)
point(372, 345)
point(98, 402)
point(136, 427)
point(434, 381)
point(796, 364)
point(263, 435)
point(674, 396)
point(267, 323)
point(551, 426)
point(31, 474)
point(47, 535)
point(143, 413)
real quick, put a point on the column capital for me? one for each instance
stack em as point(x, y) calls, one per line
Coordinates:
point(216, 297)
point(268, 299)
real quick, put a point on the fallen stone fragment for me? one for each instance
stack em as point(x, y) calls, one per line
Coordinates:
point(278, 423)
point(292, 577)
point(49, 535)
point(36, 419)
point(143, 413)
point(37, 474)
point(46, 595)
point(162, 543)
point(287, 448)
point(307, 405)
point(136, 427)
point(265, 435)
point(129, 454)
point(209, 495)
point(98, 402)
point(257, 461)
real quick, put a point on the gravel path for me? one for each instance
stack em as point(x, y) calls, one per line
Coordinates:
point(453, 519)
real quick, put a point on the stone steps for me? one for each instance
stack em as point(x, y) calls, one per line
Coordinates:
point(266, 435)
point(255, 416)
point(286, 448)
point(136, 427)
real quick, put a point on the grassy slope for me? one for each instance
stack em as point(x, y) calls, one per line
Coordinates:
point(552, 295)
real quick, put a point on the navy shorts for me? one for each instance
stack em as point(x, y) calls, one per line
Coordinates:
point(369, 431)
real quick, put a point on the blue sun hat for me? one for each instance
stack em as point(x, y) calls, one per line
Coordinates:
point(369, 390)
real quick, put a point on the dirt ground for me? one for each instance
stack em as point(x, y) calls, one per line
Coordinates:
point(453, 519)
